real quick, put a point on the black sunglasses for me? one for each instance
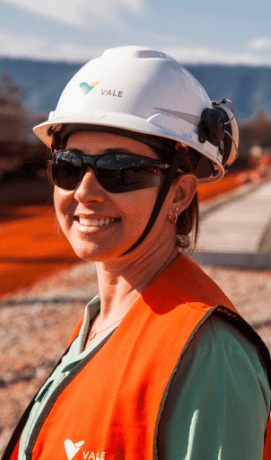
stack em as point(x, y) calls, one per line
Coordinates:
point(117, 172)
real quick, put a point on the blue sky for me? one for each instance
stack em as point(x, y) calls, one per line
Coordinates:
point(231, 32)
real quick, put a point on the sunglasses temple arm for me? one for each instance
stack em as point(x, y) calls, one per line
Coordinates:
point(170, 175)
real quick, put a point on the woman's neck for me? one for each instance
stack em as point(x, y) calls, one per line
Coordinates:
point(121, 284)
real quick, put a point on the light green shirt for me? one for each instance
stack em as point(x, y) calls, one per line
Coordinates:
point(218, 403)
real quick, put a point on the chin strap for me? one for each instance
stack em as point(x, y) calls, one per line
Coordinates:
point(169, 177)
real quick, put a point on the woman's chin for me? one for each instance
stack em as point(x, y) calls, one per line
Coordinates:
point(94, 253)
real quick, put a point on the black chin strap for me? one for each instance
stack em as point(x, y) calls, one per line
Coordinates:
point(170, 176)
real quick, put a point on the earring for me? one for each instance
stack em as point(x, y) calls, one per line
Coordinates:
point(175, 218)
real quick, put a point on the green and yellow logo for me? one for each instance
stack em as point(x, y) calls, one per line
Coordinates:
point(86, 88)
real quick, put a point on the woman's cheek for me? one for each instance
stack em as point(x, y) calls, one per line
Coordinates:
point(137, 205)
point(63, 205)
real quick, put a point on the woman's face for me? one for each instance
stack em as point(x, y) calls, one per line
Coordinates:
point(100, 225)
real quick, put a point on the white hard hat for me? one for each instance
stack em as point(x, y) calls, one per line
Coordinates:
point(146, 92)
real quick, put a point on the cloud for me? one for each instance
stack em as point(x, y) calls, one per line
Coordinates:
point(260, 43)
point(20, 46)
point(82, 12)
point(35, 47)
point(206, 55)
point(31, 46)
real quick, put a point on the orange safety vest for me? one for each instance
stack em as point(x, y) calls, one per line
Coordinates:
point(110, 405)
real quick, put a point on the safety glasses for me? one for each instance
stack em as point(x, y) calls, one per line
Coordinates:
point(117, 172)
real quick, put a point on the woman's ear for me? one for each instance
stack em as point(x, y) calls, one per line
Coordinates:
point(185, 187)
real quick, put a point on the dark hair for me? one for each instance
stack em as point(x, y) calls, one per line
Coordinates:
point(188, 220)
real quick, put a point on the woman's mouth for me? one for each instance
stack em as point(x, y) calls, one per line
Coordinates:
point(101, 222)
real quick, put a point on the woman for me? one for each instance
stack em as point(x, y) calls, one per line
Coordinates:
point(161, 366)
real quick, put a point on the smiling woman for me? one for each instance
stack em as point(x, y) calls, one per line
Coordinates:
point(161, 342)
point(82, 212)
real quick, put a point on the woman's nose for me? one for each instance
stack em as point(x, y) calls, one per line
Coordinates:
point(89, 188)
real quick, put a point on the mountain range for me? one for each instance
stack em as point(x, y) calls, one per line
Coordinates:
point(43, 81)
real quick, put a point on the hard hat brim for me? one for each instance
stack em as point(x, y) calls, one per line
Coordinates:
point(107, 122)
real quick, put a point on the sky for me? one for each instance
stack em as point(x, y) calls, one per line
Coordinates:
point(231, 32)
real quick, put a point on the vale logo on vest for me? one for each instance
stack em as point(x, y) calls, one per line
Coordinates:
point(72, 449)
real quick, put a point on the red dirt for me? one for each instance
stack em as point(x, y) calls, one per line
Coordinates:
point(32, 245)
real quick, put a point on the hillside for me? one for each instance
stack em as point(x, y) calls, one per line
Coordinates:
point(43, 81)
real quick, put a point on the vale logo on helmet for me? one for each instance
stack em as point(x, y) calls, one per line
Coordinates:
point(86, 88)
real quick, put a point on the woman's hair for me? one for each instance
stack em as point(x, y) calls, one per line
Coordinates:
point(188, 220)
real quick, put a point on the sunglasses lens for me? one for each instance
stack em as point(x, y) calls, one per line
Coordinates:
point(126, 173)
point(66, 170)
point(117, 173)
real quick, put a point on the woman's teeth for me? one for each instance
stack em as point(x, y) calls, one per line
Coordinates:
point(96, 222)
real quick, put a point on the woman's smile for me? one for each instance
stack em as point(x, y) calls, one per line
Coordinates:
point(94, 222)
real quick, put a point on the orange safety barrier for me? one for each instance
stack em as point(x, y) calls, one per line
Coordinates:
point(227, 184)
point(31, 246)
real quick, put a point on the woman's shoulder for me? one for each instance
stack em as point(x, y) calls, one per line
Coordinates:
point(217, 330)
point(222, 337)
point(220, 379)
point(220, 359)
point(230, 356)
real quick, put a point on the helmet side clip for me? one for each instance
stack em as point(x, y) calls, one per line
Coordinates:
point(215, 126)
point(211, 126)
